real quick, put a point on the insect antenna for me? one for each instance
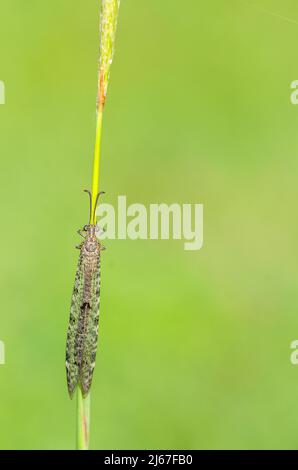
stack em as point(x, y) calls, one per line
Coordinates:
point(95, 206)
point(90, 200)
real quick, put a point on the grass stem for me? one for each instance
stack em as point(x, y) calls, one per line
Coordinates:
point(108, 26)
point(83, 421)
point(96, 163)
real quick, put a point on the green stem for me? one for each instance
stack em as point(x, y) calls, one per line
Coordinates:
point(96, 164)
point(83, 421)
point(108, 26)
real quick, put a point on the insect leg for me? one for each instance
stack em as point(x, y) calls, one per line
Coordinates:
point(80, 232)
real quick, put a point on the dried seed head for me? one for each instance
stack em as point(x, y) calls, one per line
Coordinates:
point(108, 26)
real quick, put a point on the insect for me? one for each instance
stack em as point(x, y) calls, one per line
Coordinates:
point(82, 332)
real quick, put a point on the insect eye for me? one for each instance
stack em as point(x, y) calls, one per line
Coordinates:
point(86, 228)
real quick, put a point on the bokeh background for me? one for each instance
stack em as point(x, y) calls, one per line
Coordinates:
point(194, 346)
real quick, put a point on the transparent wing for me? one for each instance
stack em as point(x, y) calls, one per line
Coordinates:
point(72, 360)
point(91, 333)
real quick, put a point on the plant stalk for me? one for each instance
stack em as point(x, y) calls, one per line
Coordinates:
point(83, 421)
point(96, 164)
point(108, 27)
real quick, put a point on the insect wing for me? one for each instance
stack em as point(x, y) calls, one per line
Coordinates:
point(72, 362)
point(91, 332)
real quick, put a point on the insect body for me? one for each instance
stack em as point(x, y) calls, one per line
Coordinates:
point(82, 332)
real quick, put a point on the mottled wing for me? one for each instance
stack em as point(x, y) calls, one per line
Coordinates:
point(91, 332)
point(72, 364)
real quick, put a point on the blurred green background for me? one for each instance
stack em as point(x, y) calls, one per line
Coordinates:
point(194, 346)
